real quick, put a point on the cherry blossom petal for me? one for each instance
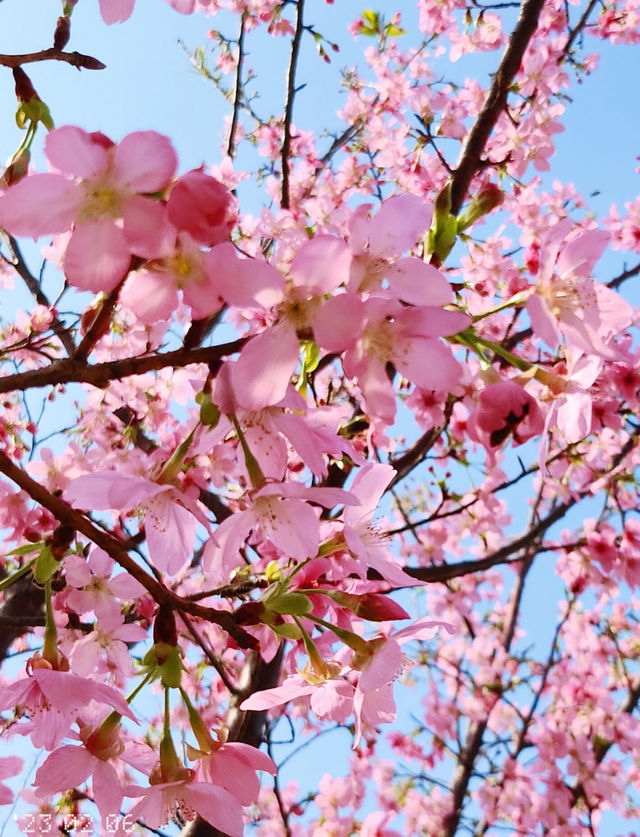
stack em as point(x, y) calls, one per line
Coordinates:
point(111, 490)
point(170, 531)
point(147, 229)
point(321, 264)
point(145, 161)
point(151, 295)
point(418, 283)
point(67, 767)
point(292, 688)
point(73, 151)
point(292, 526)
point(265, 366)
point(398, 225)
point(97, 256)
point(40, 204)
point(217, 806)
point(116, 11)
point(243, 282)
point(338, 323)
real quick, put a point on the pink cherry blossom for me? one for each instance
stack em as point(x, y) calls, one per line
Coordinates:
point(170, 515)
point(360, 533)
point(504, 410)
point(283, 514)
point(52, 699)
point(160, 803)
point(99, 182)
point(567, 301)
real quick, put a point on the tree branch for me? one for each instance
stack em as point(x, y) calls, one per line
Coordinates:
point(70, 370)
point(474, 146)
point(288, 111)
point(66, 514)
point(76, 59)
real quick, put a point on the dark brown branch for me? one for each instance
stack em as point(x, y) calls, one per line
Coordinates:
point(288, 110)
point(470, 160)
point(70, 370)
point(20, 266)
point(98, 326)
point(444, 572)
point(238, 90)
point(64, 513)
point(76, 59)
point(577, 29)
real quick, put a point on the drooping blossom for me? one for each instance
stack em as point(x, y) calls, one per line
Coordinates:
point(163, 801)
point(53, 699)
point(170, 515)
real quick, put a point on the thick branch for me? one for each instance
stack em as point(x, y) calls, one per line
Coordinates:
point(470, 158)
point(69, 370)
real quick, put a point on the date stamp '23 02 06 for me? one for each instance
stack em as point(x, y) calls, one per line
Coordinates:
point(83, 826)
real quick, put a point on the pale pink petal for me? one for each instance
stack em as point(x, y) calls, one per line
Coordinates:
point(116, 11)
point(64, 769)
point(333, 699)
point(580, 255)
point(12, 765)
point(321, 264)
point(147, 229)
point(427, 362)
point(252, 756)
point(185, 7)
point(338, 323)
point(383, 668)
point(72, 151)
point(292, 526)
point(418, 283)
point(111, 490)
point(368, 486)
point(234, 774)
point(398, 225)
point(107, 789)
point(424, 628)
point(97, 256)
point(543, 322)
point(291, 689)
point(218, 807)
point(151, 295)
point(145, 161)
point(431, 322)
point(64, 689)
point(265, 366)
point(170, 531)
point(243, 282)
point(40, 204)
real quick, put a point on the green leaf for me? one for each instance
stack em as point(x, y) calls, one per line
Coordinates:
point(287, 630)
point(291, 604)
point(46, 565)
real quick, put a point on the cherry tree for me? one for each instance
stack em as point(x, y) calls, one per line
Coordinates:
point(292, 442)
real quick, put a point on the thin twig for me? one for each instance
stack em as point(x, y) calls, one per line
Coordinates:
point(288, 111)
